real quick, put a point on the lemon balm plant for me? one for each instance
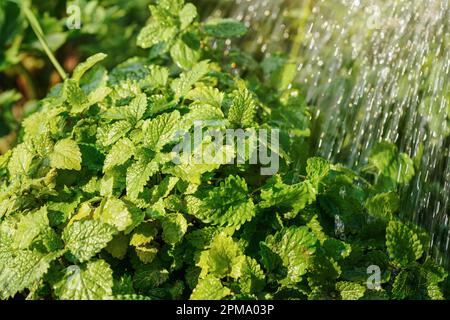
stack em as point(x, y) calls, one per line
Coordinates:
point(25, 70)
point(92, 205)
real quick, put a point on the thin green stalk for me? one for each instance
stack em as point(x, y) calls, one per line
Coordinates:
point(40, 35)
point(303, 19)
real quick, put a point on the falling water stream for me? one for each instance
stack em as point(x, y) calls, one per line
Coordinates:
point(396, 57)
point(373, 70)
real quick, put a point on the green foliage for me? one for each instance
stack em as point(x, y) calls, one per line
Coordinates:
point(223, 258)
point(86, 238)
point(23, 58)
point(209, 289)
point(225, 28)
point(91, 281)
point(350, 290)
point(392, 166)
point(242, 108)
point(289, 253)
point(66, 155)
point(225, 205)
point(94, 205)
point(403, 243)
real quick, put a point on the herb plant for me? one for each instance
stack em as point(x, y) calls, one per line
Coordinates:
point(26, 73)
point(93, 206)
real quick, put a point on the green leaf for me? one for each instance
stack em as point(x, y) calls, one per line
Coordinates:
point(138, 175)
point(223, 258)
point(184, 56)
point(21, 269)
point(94, 79)
point(198, 113)
point(227, 205)
point(140, 172)
point(92, 157)
point(97, 96)
point(350, 290)
point(392, 164)
point(163, 189)
point(174, 227)
point(403, 243)
point(403, 287)
point(206, 95)
point(143, 234)
point(113, 182)
point(154, 33)
point(172, 6)
point(182, 85)
point(120, 153)
point(29, 227)
point(4, 159)
point(150, 276)
point(225, 28)
point(243, 108)
point(90, 281)
point(296, 197)
point(137, 108)
point(20, 161)
point(206, 157)
point(159, 76)
point(163, 25)
point(131, 297)
point(42, 123)
point(161, 130)
point(201, 238)
point(383, 205)
point(118, 246)
point(66, 155)
point(115, 213)
point(191, 172)
point(420, 282)
point(210, 288)
point(59, 212)
point(317, 169)
point(252, 278)
point(86, 238)
point(75, 97)
point(295, 246)
point(187, 15)
point(110, 134)
point(336, 249)
point(81, 69)
point(147, 253)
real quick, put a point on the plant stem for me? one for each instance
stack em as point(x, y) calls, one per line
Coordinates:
point(303, 19)
point(40, 35)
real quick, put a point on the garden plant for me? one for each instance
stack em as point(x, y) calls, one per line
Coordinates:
point(109, 194)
